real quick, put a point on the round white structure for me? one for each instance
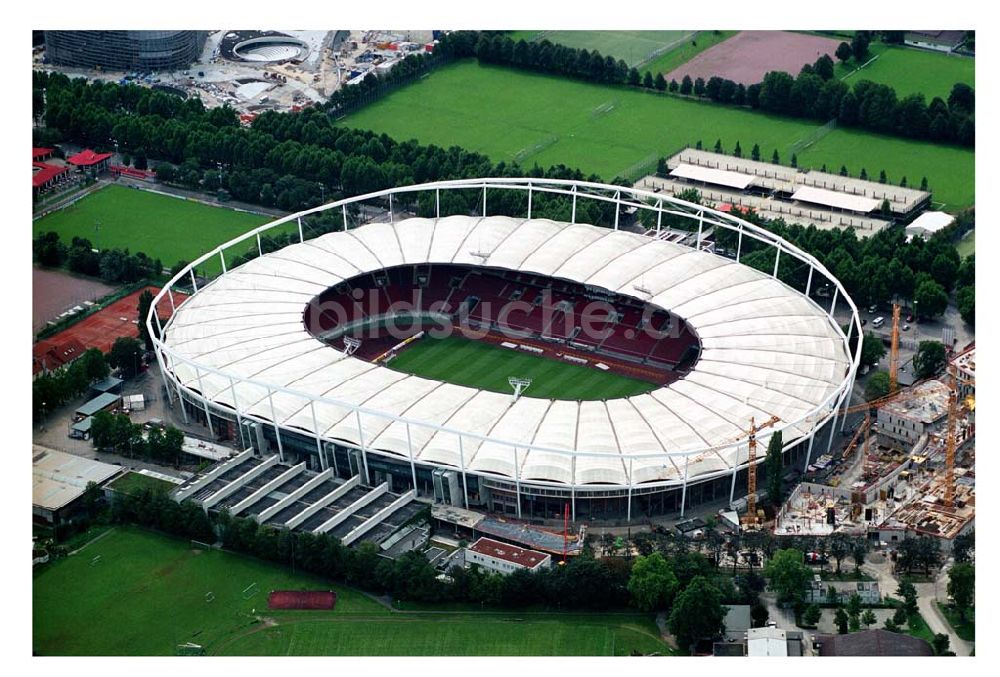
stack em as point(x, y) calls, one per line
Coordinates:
point(239, 351)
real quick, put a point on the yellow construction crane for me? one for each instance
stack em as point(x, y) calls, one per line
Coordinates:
point(950, 442)
point(751, 434)
point(894, 350)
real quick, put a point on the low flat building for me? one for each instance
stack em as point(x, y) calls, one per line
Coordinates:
point(767, 642)
point(59, 480)
point(505, 558)
point(817, 591)
point(903, 421)
point(871, 643)
point(928, 223)
point(102, 402)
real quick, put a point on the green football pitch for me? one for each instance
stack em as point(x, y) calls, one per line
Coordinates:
point(634, 47)
point(912, 71)
point(133, 592)
point(483, 365)
point(168, 228)
point(545, 120)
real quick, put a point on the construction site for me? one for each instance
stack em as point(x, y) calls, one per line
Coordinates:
point(908, 470)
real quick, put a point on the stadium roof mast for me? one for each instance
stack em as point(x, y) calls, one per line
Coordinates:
point(519, 385)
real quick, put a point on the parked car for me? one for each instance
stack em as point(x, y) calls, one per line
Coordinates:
point(906, 327)
point(872, 309)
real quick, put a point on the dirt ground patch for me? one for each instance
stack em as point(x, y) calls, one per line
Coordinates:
point(748, 55)
point(53, 291)
point(118, 319)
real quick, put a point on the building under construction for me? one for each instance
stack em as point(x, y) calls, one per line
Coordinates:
point(897, 483)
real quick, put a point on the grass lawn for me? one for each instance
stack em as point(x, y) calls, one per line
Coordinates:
point(162, 227)
point(632, 46)
point(507, 634)
point(964, 629)
point(845, 575)
point(133, 481)
point(482, 365)
point(606, 130)
point(146, 595)
point(917, 627)
point(911, 71)
point(967, 245)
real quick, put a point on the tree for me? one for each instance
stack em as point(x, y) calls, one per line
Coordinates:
point(758, 614)
point(928, 359)
point(774, 469)
point(841, 618)
point(941, 644)
point(126, 356)
point(859, 548)
point(840, 546)
point(854, 604)
point(963, 546)
point(774, 157)
point(923, 184)
point(864, 174)
point(652, 583)
point(872, 349)
point(843, 170)
point(647, 80)
point(795, 160)
point(718, 146)
point(843, 52)
point(145, 301)
point(868, 618)
point(812, 614)
point(882, 178)
point(859, 46)
point(737, 151)
point(698, 613)
point(877, 386)
point(634, 78)
point(962, 587)
point(755, 152)
point(930, 299)
point(908, 592)
point(788, 575)
point(686, 85)
point(93, 364)
point(673, 86)
point(699, 87)
point(660, 83)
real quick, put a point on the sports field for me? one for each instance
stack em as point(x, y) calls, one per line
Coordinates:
point(911, 71)
point(482, 365)
point(634, 47)
point(510, 634)
point(163, 227)
point(507, 113)
point(147, 593)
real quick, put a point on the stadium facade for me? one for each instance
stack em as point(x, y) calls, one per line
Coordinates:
point(124, 50)
point(243, 358)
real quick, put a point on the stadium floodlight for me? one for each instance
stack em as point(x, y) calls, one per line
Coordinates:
point(351, 344)
point(519, 385)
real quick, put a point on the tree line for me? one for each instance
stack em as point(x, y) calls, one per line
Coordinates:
point(118, 434)
point(291, 161)
point(814, 94)
point(79, 256)
point(55, 387)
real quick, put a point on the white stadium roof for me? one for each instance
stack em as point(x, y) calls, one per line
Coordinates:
point(766, 350)
point(719, 177)
point(831, 198)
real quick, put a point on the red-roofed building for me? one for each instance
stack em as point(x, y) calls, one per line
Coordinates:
point(505, 558)
point(90, 160)
point(40, 154)
point(45, 176)
point(51, 354)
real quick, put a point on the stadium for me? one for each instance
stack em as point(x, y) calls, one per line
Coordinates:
point(313, 351)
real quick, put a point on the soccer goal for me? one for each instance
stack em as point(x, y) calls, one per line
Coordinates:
point(250, 590)
point(95, 561)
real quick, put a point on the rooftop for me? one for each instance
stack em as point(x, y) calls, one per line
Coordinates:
point(59, 478)
point(831, 198)
point(87, 157)
point(509, 553)
point(872, 643)
point(99, 403)
point(720, 177)
point(926, 403)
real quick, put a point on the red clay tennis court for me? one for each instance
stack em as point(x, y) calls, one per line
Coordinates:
point(121, 318)
point(302, 599)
